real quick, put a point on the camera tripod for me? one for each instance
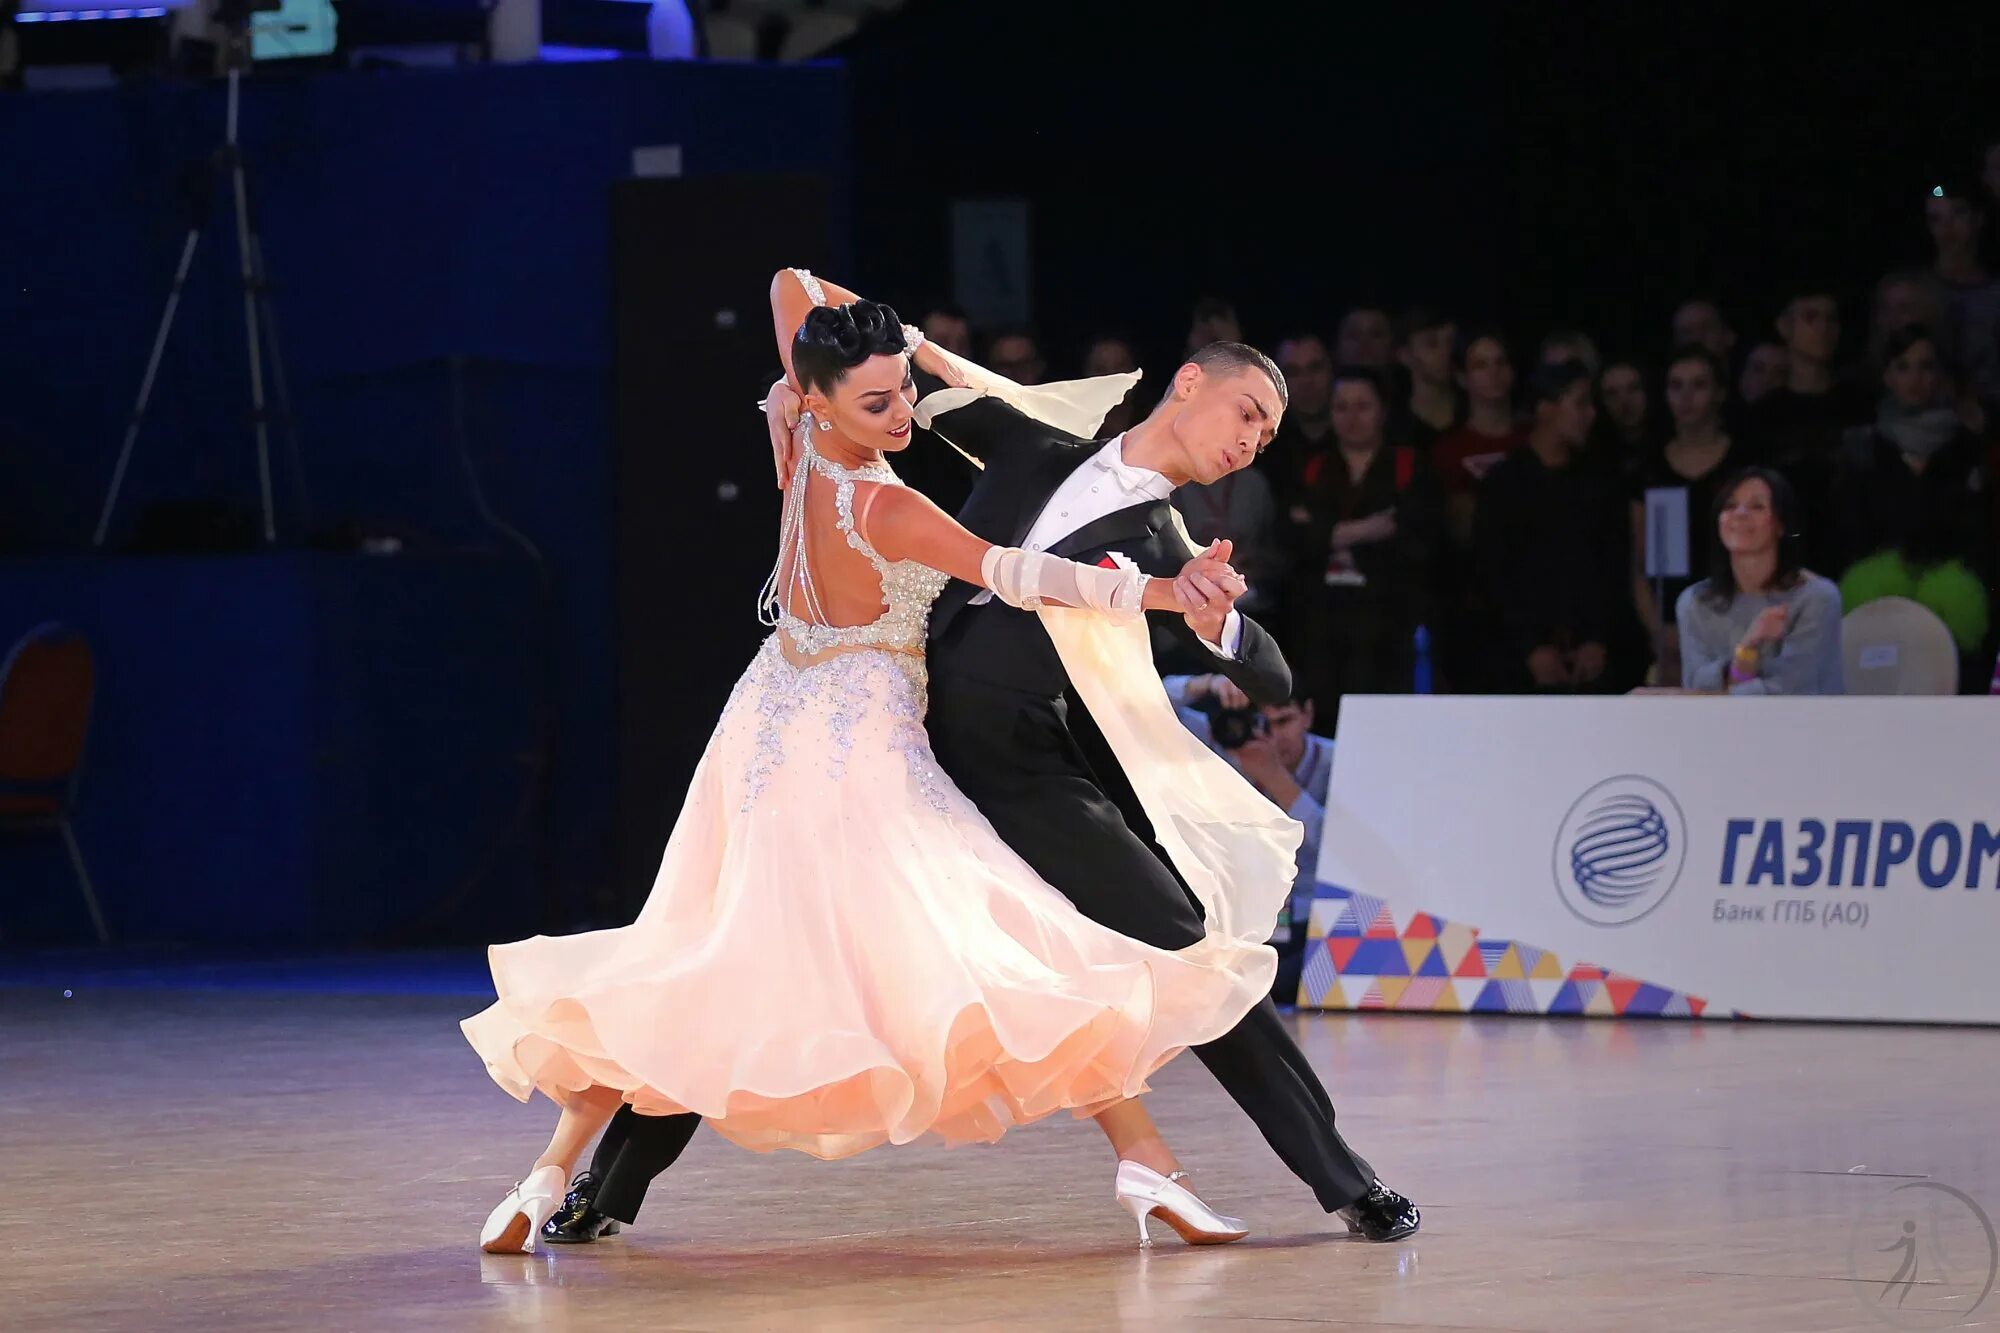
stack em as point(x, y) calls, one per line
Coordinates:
point(259, 315)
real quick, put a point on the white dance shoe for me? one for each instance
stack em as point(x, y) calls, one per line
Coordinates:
point(512, 1227)
point(1144, 1192)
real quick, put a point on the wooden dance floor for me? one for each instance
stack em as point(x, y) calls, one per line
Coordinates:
point(189, 1160)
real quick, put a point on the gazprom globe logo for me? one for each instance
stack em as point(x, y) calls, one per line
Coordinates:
point(1620, 851)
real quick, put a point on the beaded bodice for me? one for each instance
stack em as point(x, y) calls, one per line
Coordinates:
point(908, 588)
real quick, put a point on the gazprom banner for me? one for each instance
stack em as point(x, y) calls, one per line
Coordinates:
point(1779, 858)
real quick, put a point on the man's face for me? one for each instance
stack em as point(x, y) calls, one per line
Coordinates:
point(1289, 725)
point(1428, 355)
point(1954, 223)
point(1572, 415)
point(1488, 376)
point(1366, 338)
point(1224, 419)
point(949, 332)
point(1308, 374)
point(1811, 328)
point(1017, 357)
point(1357, 414)
point(1109, 356)
point(1701, 323)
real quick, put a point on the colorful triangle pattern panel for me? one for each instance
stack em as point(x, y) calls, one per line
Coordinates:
point(1358, 956)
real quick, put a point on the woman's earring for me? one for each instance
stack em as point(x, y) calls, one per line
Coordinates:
point(825, 425)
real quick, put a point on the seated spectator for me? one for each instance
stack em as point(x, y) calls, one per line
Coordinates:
point(1109, 354)
point(1956, 214)
point(1622, 440)
point(1797, 429)
point(1699, 320)
point(1214, 321)
point(1307, 427)
point(1696, 460)
point(1768, 367)
point(950, 328)
point(930, 466)
point(1550, 542)
point(1759, 624)
point(1291, 766)
point(1365, 338)
point(1364, 542)
point(1570, 345)
point(1902, 298)
point(1461, 458)
point(1241, 508)
point(1425, 341)
point(1017, 354)
point(1912, 501)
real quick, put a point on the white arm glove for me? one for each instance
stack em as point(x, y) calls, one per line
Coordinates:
point(1027, 579)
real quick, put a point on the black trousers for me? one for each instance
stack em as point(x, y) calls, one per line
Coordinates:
point(1015, 756)
point(1078, 823)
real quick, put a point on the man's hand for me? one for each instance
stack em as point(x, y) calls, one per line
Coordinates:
point(1219, 688)
point(1588, 664)
point(1258, 758)
point(1209, 588)
point(782, 409)
point(1545, 664)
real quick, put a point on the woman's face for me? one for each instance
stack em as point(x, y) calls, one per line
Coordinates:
point(874, 405)
point(1624, 392)
point(1357, 414)
point(1749, 521)
point(1914, 378)
point(1693, 396)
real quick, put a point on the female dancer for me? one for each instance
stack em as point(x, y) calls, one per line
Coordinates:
point(839, 951)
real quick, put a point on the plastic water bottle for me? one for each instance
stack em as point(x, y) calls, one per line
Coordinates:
point(1421, 684)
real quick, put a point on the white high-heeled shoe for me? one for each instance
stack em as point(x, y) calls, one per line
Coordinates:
point(1144, 1192)
point(513, 1226)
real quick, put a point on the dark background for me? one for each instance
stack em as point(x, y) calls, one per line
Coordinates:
point(493, 366)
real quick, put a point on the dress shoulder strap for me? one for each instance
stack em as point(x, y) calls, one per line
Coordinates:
point(811, 284)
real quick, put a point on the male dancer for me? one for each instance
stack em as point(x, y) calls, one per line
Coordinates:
point(1006, 727)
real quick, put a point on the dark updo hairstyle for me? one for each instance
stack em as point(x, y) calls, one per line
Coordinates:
point(836, 339)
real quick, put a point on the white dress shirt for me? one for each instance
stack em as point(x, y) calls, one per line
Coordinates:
point(1105, 484)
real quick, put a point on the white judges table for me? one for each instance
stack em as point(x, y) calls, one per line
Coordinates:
point(1834, 858)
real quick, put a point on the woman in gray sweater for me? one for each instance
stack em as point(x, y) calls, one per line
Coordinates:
point(1760, 624)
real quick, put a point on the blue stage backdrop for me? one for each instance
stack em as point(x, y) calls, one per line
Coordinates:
point(439, 244)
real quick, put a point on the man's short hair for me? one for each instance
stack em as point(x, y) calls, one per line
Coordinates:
point(1227, 358)
point(1418, 319)
point(1548, 383)
point(1371, 376)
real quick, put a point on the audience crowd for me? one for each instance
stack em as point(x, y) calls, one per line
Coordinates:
point(1448, 508)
